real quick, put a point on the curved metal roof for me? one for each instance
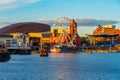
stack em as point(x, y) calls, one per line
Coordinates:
point(25, 27)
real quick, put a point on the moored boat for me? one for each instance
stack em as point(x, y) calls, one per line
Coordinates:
point(55, 49)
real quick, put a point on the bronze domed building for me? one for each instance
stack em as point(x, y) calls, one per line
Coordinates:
point(25, 27)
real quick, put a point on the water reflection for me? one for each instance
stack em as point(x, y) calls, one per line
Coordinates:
point(62, 67)
point(62, 55)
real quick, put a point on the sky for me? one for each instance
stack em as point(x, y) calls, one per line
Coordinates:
point(34, 10)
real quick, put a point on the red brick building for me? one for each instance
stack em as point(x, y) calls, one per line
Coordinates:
point(108, 30)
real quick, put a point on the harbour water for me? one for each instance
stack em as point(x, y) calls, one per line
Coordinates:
point(97, 66)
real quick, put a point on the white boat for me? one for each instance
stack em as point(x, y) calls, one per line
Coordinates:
point(55, 49)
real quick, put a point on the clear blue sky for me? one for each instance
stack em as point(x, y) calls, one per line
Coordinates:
point(24, 10)
point(31, 10)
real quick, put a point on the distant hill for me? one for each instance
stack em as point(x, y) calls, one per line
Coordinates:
point(82, 22)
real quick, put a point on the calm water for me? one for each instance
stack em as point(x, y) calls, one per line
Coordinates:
point(62, 67)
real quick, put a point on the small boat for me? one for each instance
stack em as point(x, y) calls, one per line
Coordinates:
point(55, 49)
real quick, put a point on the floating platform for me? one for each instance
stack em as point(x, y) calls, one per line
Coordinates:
point(17, 50)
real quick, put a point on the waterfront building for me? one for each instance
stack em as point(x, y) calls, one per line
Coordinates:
point(4, 38)
point(28, 32)
point(108, 30)
point(105, 35)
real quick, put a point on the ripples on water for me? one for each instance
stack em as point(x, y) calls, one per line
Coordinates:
point(62, 67)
